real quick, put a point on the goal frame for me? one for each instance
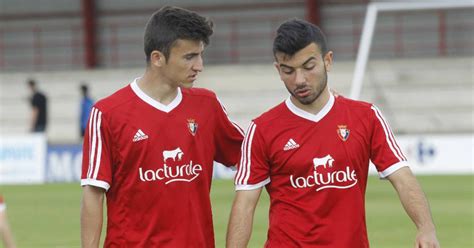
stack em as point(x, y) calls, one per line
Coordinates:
point(373, 9)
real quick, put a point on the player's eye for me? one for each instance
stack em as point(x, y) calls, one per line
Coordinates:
point(309, 67)
point(287, 71)
point(189, 56)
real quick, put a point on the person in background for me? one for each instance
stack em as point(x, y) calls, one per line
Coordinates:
point(39, 108)
point(312, 152)
point(86, 106)
point(5, 232)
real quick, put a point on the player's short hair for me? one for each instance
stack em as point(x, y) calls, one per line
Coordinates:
point(169, 24)
point(295, 34)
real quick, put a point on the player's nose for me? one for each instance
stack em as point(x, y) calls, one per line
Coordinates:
point(198, 65)
point(299, 77)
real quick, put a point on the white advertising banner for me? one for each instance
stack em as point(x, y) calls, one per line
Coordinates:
point(426, 155)
point(438, 154)
point(22, 159)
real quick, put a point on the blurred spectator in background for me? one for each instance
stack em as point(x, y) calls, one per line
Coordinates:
point(39, 108)
point(5, 232)
point(86, 107)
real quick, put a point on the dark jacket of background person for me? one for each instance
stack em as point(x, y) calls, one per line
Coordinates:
point(86, 106)
point(39, 104)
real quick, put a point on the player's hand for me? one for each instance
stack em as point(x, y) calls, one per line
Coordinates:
point(426, 239)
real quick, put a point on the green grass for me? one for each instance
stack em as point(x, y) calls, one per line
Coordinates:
point(48, 215)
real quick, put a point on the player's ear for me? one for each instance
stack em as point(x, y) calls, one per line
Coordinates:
point(328, 60)
point(157, 58)
point(277, 66)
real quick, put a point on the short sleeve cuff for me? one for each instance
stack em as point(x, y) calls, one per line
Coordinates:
point(391, 169)
point(3, 206)
point(96, 183)
point(252, 186)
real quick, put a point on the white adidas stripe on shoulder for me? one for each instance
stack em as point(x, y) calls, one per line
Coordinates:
point(95, 143)
point(99, 146)
point(92, 141)
point(243, 150)
point(245, 160)
point(91, 117)
point(390, 138)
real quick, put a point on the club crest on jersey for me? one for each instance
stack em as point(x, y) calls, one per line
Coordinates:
point(192, 126)
point(343, 132)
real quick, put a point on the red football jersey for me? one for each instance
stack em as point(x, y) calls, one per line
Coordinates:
point(156, 163)
point(315, 168)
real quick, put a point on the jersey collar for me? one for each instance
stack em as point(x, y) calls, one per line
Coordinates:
point(309, 116)
point(165, 108)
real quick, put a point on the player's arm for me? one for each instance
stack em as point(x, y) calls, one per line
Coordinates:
point(5, 233)
point(416, 205)
point(241, 218)
point(91, 216)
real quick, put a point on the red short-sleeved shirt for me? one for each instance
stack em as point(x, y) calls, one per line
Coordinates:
point(315, 170)
point(156, 163)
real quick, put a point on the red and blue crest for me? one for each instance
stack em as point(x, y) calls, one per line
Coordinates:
point(343, 132)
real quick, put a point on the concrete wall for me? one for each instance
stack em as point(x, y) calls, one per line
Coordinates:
point(242, 35)
point(416, 96)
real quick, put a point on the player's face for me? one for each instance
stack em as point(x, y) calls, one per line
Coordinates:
point(185, 62)
point(304, 73)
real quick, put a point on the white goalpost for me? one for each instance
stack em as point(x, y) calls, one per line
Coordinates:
point(369, 26)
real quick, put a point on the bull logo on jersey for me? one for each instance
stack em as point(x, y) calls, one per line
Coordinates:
point(326, 176)
point(175, 154)
point(192, 126)
point(343, 132)
point(325, 162)
point(172, 170)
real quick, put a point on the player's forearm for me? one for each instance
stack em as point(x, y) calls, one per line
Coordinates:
point(5, 232)
point(91, 218)
point(241, 218)
point(90, 231)
point(416, 205)
point(240, 227)
point(414, 200)
point(7, 237)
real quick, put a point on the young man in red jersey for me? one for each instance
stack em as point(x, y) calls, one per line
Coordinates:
point(150, 146)
point(312, 154)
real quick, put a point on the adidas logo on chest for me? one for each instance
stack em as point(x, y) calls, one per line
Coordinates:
point(139, 135)
point(290, 145)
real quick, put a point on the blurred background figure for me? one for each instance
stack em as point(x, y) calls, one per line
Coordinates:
point(5, 232)
point(86, 105)
point(39, 105)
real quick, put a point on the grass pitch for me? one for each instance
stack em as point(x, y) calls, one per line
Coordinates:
point(48, 215)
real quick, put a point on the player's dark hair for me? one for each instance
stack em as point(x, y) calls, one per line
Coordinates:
point(295, 34)
point(172, 23)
